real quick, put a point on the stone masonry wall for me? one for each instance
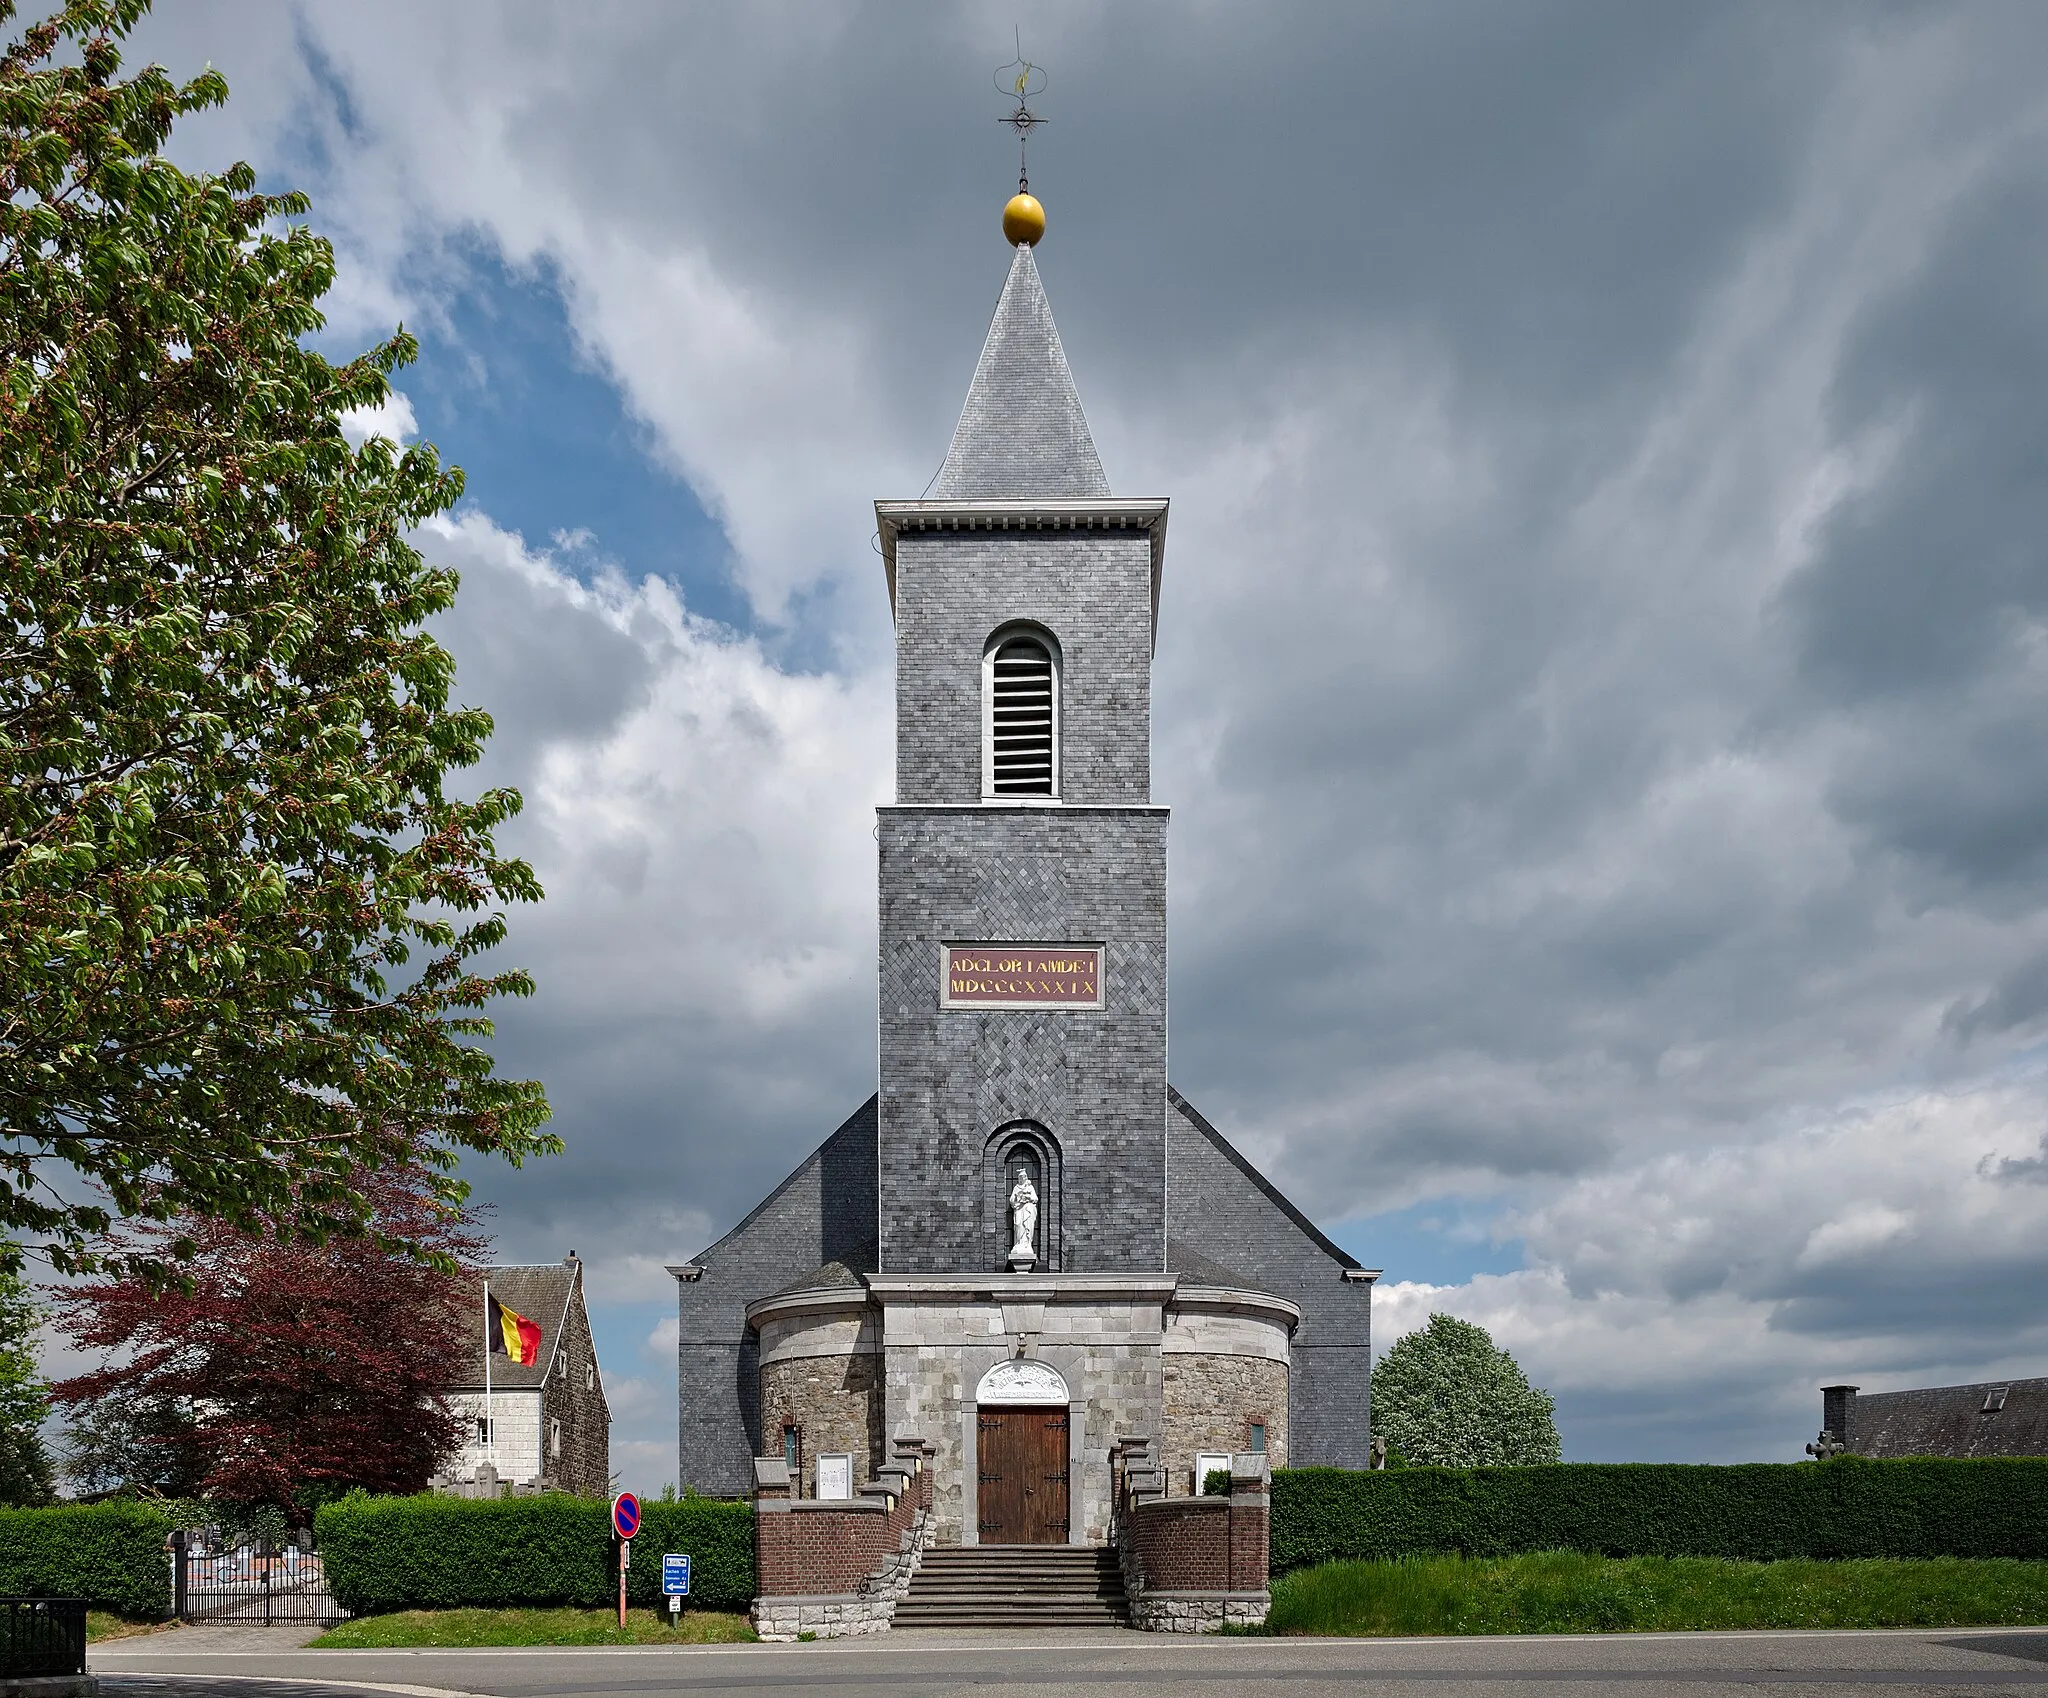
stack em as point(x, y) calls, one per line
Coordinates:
point(1094, 1079)
point(1209, 1401)
point(837, 1401)
point(574, 1397)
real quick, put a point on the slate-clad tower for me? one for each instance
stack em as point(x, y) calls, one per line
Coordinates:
point(1027, 1247)
point(1021, 543)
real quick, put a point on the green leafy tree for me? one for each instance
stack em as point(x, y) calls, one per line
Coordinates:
point(1448, 1397)
point(24, 1397)
point(240, 914)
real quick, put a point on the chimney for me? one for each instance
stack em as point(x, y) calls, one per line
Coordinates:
point(1837, 1410)
point(569, 1261)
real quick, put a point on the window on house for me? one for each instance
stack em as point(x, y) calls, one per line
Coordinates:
point(1021, 735)
point(1255, 1437)
point(1994, 1400)
point(590, 1376)
point(792, 1449)
point(483, 1430)
point(562, 1366)
point(555, 1440)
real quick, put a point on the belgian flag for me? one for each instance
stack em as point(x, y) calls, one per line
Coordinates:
point(512, 1334)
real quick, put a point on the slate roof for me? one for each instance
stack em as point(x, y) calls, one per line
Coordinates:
point(1022, 433)
point(1197, 1269)
point(833, 1276)
point(1952, 1421)
point(541, 1294)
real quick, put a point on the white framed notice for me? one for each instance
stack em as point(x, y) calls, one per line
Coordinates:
point(835, 1476)
point(1205, 1461)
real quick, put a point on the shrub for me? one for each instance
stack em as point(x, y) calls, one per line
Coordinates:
point(431, 1552)
point(1216, 1483)
point(113, 1555)
point(1851, 1507)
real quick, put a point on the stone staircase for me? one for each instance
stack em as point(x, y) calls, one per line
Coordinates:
point(1015, 1586)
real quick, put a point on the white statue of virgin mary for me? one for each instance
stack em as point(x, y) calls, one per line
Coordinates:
point(1023, 1219)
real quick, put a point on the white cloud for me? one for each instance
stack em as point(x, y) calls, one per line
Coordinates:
point(391, 419)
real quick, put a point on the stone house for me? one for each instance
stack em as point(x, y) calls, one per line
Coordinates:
point(1027, 1247)
point(1996, 1418)
point(546, 1426)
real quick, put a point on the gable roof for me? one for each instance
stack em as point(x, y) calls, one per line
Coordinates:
point(1022, 433)
point(544, 1295)
point(1316, 1235)
point(1952, 1421)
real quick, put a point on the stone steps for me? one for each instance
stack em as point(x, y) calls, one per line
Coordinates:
point(1015, 1586)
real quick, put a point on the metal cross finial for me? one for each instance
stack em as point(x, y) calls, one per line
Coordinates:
point(1019, 80)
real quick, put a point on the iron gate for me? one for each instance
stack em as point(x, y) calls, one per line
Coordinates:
point(256, 1581)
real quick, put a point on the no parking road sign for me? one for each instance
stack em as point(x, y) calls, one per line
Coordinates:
point(625, 1515)
point(675, 1575)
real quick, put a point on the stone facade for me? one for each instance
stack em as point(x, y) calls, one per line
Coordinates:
point(1210, 1405)
point(821, 1374)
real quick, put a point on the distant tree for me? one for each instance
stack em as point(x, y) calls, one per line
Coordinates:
point(239, 913)
point(1448, 1397)
point(24, 1397)
point(277, 1372)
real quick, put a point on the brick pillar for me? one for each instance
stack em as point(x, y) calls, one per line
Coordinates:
point(1837, 1410)
point(1251, 1523)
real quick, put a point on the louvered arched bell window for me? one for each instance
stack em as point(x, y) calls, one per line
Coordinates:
point(1021, 741)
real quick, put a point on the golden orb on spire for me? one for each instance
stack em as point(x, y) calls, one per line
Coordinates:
point(1023, 220)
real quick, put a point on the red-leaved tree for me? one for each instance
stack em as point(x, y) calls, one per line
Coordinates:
point(280, 1372)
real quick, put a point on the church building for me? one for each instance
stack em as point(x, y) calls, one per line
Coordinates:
point(1027, 1245)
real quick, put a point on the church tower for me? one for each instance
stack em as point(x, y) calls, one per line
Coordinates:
point(1023, 864)
point(1027, 1256)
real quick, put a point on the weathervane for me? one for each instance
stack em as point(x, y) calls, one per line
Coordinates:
point(1021, 79)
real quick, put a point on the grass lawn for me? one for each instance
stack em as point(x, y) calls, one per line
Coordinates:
point(1566, 1592)
point(410, 1628)
point(102, 1624)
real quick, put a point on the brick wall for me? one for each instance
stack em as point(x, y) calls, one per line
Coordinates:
point(1191, 1565)
point(832, 1569)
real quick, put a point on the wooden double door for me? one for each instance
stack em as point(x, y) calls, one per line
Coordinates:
point(1021, 1494)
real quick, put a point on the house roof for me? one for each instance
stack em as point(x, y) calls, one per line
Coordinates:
point(544, 1295)
point(1022, 434)
point(1952, 1421)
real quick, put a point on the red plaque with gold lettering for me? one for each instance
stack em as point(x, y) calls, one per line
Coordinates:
point(1022, 975)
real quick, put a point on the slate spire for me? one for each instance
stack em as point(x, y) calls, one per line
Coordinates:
point(1022, 433)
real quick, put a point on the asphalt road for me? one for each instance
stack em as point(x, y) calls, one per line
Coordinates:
point(933, 1664)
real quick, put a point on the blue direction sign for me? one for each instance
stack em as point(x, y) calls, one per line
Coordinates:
point(625, 1515)
point(675, 1575)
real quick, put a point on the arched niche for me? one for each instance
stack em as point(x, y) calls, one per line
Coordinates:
point(1022, 1380)
point(1027, 1144)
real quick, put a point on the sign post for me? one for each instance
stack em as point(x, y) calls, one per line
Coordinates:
point(675, 1582)
point(625, 1523)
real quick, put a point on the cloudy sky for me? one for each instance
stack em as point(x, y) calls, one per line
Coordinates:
point(1604, 658)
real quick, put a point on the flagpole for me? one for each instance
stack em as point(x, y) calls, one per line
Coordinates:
point(490, 1425)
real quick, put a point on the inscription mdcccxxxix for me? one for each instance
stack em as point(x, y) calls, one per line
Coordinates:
point(1023, 976)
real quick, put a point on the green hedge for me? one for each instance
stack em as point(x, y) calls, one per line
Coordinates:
point(447, 1553)
point(1850, 1507)
point(113, 1555)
